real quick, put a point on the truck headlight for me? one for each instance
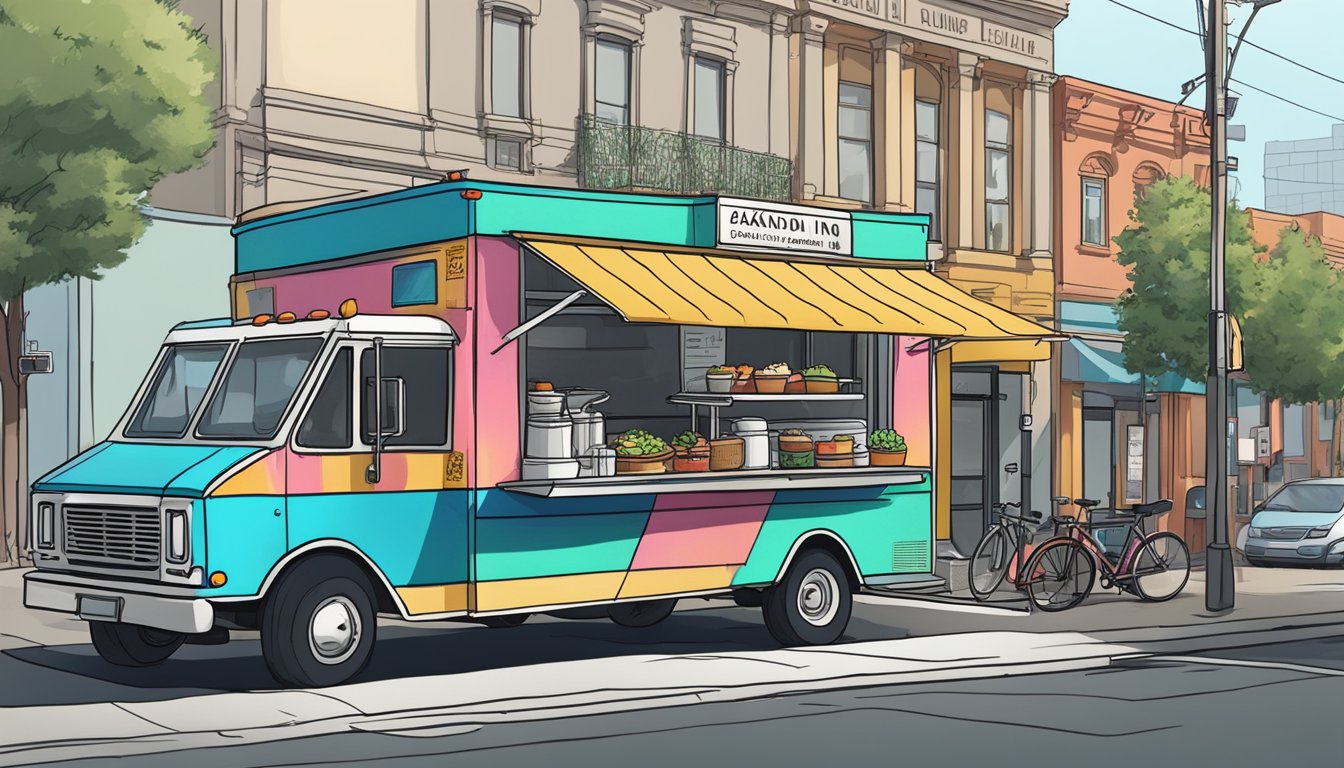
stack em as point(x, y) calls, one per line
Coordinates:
point(46, 525)
point(1319, 533)
point(178, 538)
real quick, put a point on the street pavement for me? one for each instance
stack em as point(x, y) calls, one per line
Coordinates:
point(708, 677)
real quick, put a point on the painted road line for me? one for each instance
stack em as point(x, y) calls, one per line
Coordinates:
point(1275, 665)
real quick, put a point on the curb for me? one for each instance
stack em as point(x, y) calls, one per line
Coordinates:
point(425, 706)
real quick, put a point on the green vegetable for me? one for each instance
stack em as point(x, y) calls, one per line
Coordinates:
point(819, 372)
point(840, 438)
point(686, 440)
point(721, 369)
point(887, 440)
point(638, 442)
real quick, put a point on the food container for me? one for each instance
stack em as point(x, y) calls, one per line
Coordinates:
point(743, 386)
point(598, 462)
point(727, 454)
point(839, 447)
point(549, 437)
point(821, 385)
point(795, 385)
point(652, 464)
point(795, 444)
point(756, 442)
point(834, 461)
point(545, 403)
point(693, 460)
point(797, 460)
point(880, 458)
point(769, 383)
point(720, 383)
point(549, 469)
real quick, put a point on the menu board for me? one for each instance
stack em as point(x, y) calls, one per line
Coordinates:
point(1134, 464)
point(702, 347)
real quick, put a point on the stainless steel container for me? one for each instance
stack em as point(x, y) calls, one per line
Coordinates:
point(590, 426)
point(598, 462)
point(549, 469)
point(756, 437)
point(549, 438)
point(545, 403)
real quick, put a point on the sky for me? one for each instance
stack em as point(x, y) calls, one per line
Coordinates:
point(1106, 43)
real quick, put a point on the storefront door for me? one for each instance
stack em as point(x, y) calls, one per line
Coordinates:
point(1099, 455)
point(974, 436)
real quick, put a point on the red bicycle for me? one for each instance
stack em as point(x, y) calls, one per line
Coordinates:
point(1153, 566)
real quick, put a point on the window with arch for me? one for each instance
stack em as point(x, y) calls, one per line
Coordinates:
point(1144, 177)
point(1094, 173)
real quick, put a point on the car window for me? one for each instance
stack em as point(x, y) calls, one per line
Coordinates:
point(1307, 497)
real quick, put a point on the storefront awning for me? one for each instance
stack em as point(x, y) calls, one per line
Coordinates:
point(1103, 362)
point(656, 284)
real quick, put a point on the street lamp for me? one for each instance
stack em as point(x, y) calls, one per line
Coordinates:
point(1219, 582)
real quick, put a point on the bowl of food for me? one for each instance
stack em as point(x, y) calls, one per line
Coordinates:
point(772, 378)
point(720, 378)
point(744, 383)
point(820, 380)
point(796, 450)
point(727, 453)
point(886, 448)
point(840, 445)
point(795, 385)
point(691, 453)
point(640, 453)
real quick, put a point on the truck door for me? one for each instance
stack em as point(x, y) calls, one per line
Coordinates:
point(410, 517)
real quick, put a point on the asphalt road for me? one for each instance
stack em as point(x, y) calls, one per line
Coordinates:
point(1263, 705)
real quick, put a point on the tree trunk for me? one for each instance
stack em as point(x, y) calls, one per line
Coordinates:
point(12, 401)
point(1334, 439)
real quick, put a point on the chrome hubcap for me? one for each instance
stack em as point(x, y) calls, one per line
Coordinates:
point(817, 594)
point(333, 632)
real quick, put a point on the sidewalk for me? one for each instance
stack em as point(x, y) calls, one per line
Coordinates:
point(941, 644)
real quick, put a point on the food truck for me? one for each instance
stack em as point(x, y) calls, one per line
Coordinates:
point(479, 401)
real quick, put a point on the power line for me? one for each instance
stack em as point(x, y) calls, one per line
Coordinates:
point(1245, 84)
point(1256, 46)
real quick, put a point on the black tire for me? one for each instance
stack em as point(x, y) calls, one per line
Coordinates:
point(989, 563)
point(504, 622)
point(131, 645)
point(318, 624)
point(812, 603)
point(1161, 568)
point(1059, 575)
point(641, 614)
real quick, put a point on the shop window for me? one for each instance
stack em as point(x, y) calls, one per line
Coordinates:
point(1094, 212)
point(1294, 432)
point(927, 191)
point(508, 154)
point(856, 141)
point(709, 98)
point(506, 65)
point(328, 423)
point(425, 377)
point(415, 283)
point(611, 85)
point(998, 180)
point(1325, 427)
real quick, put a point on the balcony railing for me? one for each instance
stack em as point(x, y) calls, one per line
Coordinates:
point(630, 157)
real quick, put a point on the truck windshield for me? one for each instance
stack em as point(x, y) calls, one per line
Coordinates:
point(257, 389)
point(180, 383)
point(1307, 497)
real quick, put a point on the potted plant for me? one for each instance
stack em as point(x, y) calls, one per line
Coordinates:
point(886, 448)
point(820, 380)
point(692, 453)
point(720, 378)
point(639, 452)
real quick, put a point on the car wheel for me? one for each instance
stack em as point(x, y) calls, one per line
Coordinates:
point(131, 645)
point(812, 603)
point(318, 625)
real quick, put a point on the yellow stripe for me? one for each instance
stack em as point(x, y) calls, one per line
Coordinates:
point(550, 590)
point(440, 598)
point(671, 581)
point(256, 479)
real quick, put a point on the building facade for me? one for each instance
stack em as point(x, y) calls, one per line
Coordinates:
point(1306, 175)
point(1119, 441)
point(940, 108)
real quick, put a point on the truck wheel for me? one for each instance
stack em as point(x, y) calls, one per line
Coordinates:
point(131, 645)
point(318, 624)
point(811, 604)
point(644, 613)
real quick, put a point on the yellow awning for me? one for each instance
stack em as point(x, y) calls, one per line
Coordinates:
point(660, 284)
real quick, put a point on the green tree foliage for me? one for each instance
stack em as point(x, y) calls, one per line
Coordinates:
point(1165, 314)
point(1295, 334)
point(99, 100)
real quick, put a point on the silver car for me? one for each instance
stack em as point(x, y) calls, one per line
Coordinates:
point(1301, 524)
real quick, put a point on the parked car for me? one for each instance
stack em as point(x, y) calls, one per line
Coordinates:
point(1301, 524)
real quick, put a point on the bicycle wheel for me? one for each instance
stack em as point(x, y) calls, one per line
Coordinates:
point(1060, 575)
point(1161, 567)
point(989, 562)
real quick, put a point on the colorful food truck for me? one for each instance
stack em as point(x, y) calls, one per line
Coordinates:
point(478, 401)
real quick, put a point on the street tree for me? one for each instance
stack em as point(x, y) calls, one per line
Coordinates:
point(100, 100)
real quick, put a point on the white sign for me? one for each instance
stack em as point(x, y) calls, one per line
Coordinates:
point(1134, 464)
point(778, 227)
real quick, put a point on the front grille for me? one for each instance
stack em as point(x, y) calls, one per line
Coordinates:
point(1282, 534)
point(911, 557)
point(119, 536)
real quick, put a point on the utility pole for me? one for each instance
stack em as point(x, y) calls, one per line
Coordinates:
point(1219, 582)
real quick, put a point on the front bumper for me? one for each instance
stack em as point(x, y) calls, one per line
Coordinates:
point(166, 608)
point(1303, 552)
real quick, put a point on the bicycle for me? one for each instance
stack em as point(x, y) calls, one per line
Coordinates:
point(1155, 567)
point(1004, 549)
